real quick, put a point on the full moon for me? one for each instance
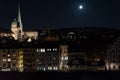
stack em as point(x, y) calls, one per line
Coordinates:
point(80, 7)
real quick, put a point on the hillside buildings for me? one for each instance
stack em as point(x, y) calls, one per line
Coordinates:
point(58, 50)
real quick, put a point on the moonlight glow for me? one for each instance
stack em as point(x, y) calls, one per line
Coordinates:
point(80, 7)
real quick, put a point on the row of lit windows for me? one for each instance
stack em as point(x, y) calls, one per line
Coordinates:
point(7, 69)
point(64, 58)
point(52, 68)
point(48, 68)
point(44, 50)
point(9, 60)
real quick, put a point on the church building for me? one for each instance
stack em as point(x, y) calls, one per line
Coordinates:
point(17, 30)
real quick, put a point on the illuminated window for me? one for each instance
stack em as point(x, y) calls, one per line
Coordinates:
point(9, 59)
point(7, 69)
point(37, 68)
point(62, 58)
point(14, 55)
point(66, 58)
point(4, 59)
point(37, 60)
point(44, 69)
point(54, 68)
point(54, 58)
point(48, 49)
point(42, 50)
point(54, 49)
point(37, 50)
point(8, 55)
point(49, 68)
point(29, 40)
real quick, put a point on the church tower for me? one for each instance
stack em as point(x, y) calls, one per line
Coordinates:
point(17, 27)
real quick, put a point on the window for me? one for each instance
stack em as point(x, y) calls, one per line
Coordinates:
point(14, 55)
point(9, 60)
point(8, 55)
point(42, 50)
point(118, 50)
point(55, 68)
point(75, 62)
point(66, 58)
point(49, 68)
point(13, 51)
point(113, 51)
point(54, 58)
point(48, 49)
point(4, 60)
point(62, 58)
point(54, 49)
point(38, 50)
point(3, 55)
point(44, 69)
point(3, 51)
point(114, 67)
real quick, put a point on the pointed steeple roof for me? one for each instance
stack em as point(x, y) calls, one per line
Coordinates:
point(19, 15)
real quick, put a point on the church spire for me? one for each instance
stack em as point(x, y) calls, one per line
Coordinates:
point(19, 15)
point(19, 25)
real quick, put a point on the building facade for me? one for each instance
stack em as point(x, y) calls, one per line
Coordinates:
point(64, 57)
point(17, 29)
point(11, 60)
point(29, 59)
point(48, 58)
point(113, 56)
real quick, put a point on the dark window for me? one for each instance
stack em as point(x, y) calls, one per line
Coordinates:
point(113, 61)
point(118, 50)
point(113, 50)
point(3, 51)
point(13, 51)
point(114, 67)
point(3, 55)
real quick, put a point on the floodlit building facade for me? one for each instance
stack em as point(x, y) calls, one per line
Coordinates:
point(11, 60)
point(17, 29)
point(64, 57)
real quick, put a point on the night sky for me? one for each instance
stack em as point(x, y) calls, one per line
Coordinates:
point(61, 13)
